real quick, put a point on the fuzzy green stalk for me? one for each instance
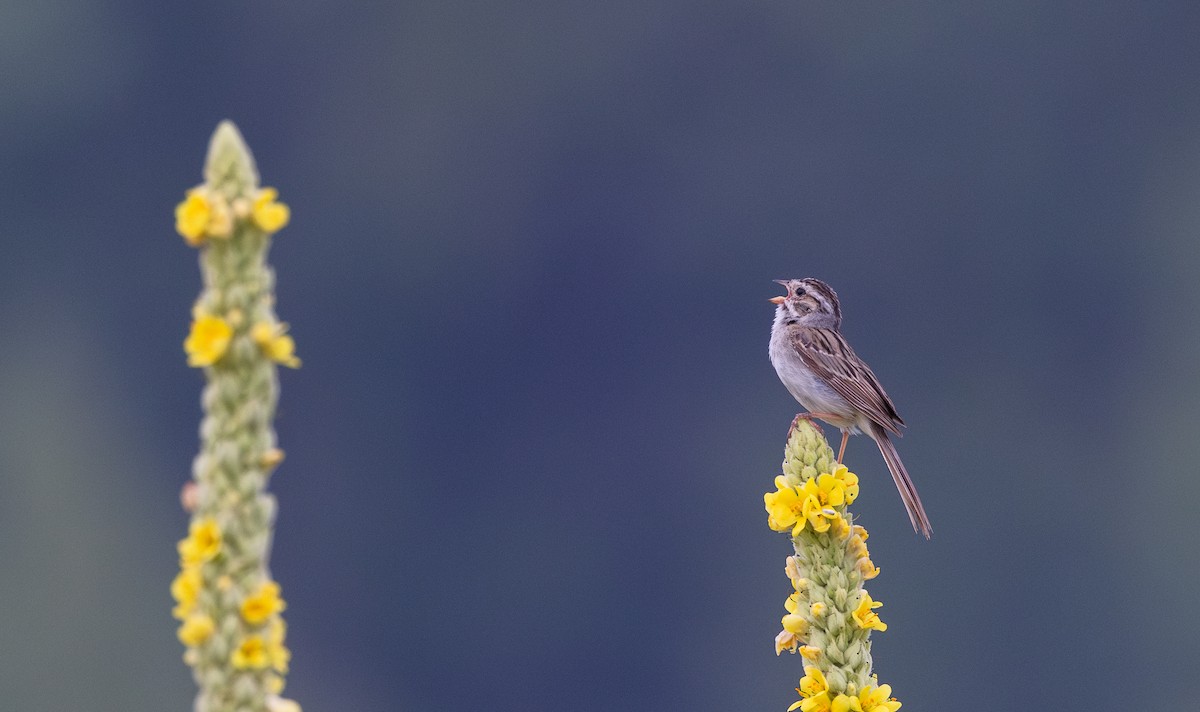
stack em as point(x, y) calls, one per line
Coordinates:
point(227, 601)
point(830, 615)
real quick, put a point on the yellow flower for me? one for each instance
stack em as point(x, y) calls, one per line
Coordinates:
point(814, 692)
point(817, 609)
point(809, 652)
point(813, 683)
point(275, 344)
point(845, 703)
point(208, 340)
point(849, 482)
point(203, 214)
point(878, 699)
point(866, 617)
point(270, 215)
point(840, 527)
point(191, 217)
point(784, 507)
point(817, 516)
point(196, 629)
point(792, 571)
point(185, 589)
point(202, 544)
point(867, 568)
point(262, 604)
point(785, 641)
point(793, 622)
point(858, 544)
point(817, 703)
point(827, 489)
point(251, 654)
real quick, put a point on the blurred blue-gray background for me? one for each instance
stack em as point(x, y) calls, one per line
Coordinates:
point(531, 248)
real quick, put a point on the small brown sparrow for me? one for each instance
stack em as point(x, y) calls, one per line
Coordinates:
point(822, 372)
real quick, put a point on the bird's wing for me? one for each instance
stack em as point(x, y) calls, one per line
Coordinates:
point(830, 357)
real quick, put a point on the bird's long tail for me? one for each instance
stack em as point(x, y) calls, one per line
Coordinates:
point(908, 491)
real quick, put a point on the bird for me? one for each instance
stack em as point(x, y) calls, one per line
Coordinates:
point(833, 384)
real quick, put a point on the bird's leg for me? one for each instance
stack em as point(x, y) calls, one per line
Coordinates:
point(842, 451)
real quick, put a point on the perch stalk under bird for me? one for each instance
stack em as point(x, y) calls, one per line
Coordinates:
point(822, 372)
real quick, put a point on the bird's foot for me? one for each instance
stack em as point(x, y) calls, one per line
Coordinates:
point(811, 418)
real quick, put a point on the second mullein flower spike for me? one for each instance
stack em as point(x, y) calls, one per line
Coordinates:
point(229, 606)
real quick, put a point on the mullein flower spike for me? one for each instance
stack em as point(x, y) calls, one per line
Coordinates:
point(830, 615)
point(228, 605)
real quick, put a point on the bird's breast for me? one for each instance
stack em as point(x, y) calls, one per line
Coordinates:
point(807, 387)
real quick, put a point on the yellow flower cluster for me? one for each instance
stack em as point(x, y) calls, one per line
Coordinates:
point(185, 589)
point(203, 544)
point(274, 342)
point(818, 503)
point(264, 648)
point(210, 337)
point(816, 696)
point(206, 213)
point(796, 624)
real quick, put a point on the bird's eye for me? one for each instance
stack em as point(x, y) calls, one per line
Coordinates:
point(800, 291)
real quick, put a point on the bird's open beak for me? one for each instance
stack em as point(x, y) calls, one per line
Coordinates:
point(779, 300)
